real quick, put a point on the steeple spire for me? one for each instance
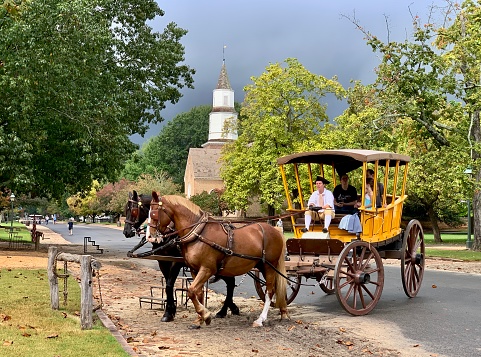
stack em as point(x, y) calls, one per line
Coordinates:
point(223, 82)
point(223, 111)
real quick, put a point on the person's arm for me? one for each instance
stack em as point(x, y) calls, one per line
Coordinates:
point(328, 200)
point(337, 204)
point(353, 193)
point(312, 200)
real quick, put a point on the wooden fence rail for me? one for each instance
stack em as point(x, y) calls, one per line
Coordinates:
point(87, 264)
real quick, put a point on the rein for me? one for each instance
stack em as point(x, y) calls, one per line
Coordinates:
point(142, 242)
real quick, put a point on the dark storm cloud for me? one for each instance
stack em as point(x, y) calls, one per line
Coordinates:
point(260, 32)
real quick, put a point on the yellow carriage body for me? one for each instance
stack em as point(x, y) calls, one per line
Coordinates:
point(382, 222)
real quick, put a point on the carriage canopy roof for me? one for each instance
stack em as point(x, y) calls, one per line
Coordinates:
point(344, 160)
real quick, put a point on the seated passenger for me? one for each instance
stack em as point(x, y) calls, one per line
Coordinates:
point(380, 188)
point(345, 196)
point(367, 194)
point(323, 199)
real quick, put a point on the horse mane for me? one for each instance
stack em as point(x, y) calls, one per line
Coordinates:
point(182, 201)
point(145, 199)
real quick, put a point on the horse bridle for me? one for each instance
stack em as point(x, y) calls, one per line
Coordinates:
point(155, 209)
point(135, 206)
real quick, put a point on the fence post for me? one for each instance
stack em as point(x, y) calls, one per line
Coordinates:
point(86, 299)
point(52, 277)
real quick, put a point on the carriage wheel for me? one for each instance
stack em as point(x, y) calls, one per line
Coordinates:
point(412, 258)
point(292, 286)
point(328, 285)
point(359, 278)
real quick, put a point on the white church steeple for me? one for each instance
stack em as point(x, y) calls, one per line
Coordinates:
point(222, 112)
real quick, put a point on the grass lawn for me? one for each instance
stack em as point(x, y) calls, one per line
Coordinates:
point(29, 326)
point(20, 229)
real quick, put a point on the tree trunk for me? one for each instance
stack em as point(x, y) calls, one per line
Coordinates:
point(435, 226)
point(476, 135)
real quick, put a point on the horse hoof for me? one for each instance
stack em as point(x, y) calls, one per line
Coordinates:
point(220, 315)
point(208, 319)
point(235, 310)
point(194, 327)
point(168, 318)
point(257, 324)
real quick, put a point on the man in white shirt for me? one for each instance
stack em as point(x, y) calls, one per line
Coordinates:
point(324, 199)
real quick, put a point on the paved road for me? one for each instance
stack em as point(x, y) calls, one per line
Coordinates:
point(111, 240)
point(445, 318)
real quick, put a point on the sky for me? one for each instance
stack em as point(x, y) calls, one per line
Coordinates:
point(258, 33)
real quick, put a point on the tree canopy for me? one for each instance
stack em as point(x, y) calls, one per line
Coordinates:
point(169, 150)
point(78, 78)
point(282, 108)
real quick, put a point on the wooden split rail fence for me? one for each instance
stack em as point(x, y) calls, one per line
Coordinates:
point(87, 265)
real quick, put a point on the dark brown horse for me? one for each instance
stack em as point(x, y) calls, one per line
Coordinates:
point(136, 212)
point(210, 247)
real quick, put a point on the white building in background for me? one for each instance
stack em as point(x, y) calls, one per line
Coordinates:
point(202, 172)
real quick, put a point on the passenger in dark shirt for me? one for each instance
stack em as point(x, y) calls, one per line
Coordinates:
point(345, 196)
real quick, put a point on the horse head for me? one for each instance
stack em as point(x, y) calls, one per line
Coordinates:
point(159, 222)
point(136, 212)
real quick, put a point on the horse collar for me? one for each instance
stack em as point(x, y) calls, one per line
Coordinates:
point(195, 231)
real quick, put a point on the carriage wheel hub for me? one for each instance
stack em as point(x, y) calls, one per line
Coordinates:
point(363, 278)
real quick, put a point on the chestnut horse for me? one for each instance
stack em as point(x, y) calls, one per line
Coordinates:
point(211, 247)
point(136, 212)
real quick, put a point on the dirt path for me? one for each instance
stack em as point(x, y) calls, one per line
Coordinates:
point(307, 333)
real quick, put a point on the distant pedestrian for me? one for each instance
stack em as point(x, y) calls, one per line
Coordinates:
point(54, 218)
point(46, 219)
point(70, 227)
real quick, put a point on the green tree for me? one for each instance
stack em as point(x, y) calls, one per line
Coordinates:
point(282, 109)
point(85, 203)
point(168, 151)
point(410, 111)
point(78, 78)
point(107, 197)
point(210, 202)
point(460, 42)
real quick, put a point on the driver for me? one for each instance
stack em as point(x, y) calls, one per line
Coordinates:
point(324, 200)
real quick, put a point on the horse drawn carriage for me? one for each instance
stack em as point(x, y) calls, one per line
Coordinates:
point(349, 262)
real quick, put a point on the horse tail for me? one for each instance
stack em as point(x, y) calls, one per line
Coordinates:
point(281, 282)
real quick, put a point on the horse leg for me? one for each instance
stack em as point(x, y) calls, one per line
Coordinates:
point(228, 302)
point(195, 291)
point(270, 277)
point(170, 271)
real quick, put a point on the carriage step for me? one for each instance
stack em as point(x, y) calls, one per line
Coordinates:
point(98, 250)
point(152, 301)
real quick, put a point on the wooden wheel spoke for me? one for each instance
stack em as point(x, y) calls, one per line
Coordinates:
point(349, 291)
point(357, 296)
point(349, 267)
point(374, 270)
point(417, 245)
point(361, 259)
point(347, 282)
point(412, 261)
point(364, 287)
point(367, 261)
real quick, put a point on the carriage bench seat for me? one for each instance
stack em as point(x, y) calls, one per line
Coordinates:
point(335, 221)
